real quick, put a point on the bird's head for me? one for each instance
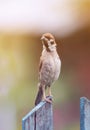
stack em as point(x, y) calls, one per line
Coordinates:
point(48, 41)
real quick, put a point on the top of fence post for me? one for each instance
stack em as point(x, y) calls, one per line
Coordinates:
point(40, 118)
point(84, 114)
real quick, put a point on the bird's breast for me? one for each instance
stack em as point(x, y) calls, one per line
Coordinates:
point(57, 67)
point(50, 68)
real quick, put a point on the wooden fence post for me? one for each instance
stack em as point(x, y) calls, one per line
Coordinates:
point(84, 114)
point(40, 118)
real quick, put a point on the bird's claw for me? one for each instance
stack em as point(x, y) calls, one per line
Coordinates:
point(47, 100)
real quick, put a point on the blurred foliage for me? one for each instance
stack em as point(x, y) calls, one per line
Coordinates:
point(20, 53)
point(19, 58)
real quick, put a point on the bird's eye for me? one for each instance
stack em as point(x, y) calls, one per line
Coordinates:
point(52, 42)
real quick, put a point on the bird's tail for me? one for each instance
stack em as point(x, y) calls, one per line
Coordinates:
point(39, 95)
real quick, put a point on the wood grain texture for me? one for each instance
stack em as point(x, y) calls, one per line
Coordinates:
point(84, 114)
point(40, 118)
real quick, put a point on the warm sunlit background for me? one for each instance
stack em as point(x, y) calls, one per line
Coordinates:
point(22, 22)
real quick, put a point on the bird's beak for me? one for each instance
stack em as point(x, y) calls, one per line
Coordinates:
point(42, 37)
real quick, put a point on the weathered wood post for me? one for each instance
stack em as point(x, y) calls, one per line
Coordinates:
point(40, 118)
point(84, 114)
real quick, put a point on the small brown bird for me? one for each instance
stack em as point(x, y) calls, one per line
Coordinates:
point(49, 67)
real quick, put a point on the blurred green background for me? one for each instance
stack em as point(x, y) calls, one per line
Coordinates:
point(21, 26)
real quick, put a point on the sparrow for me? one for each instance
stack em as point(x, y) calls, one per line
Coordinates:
point(49, 67)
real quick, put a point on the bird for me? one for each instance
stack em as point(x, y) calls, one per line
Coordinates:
point(49, 67)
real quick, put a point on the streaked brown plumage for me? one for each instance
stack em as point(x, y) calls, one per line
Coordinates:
point(49, 67)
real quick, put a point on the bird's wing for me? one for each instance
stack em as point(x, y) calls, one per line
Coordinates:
point(40, 65)
point(40, 68)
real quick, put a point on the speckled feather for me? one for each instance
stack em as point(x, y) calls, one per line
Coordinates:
point(50, 65)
